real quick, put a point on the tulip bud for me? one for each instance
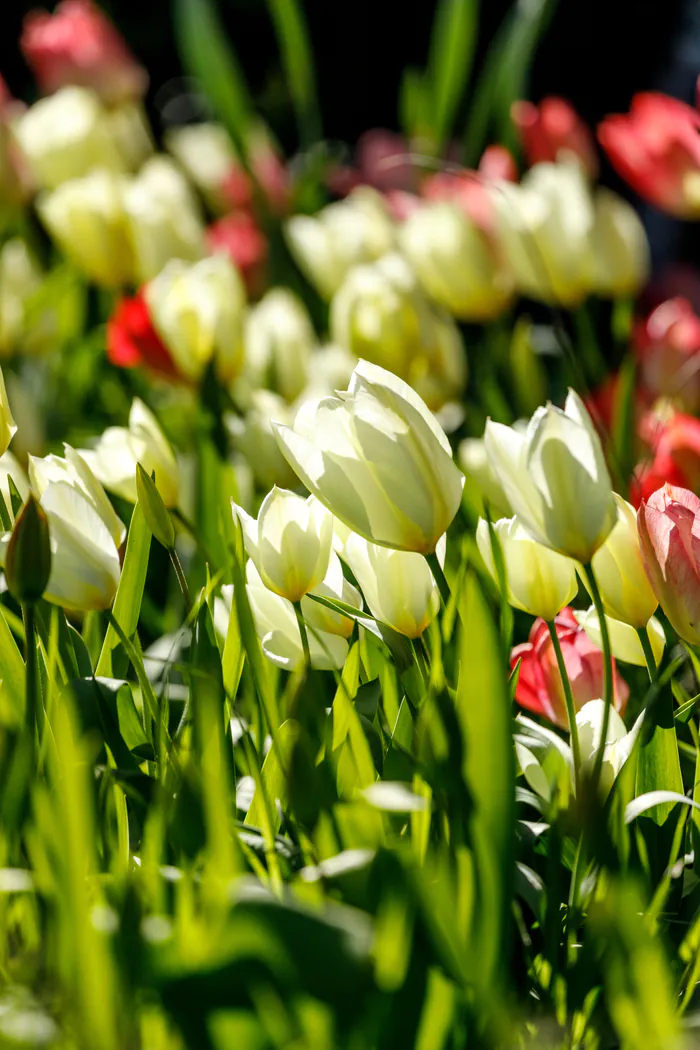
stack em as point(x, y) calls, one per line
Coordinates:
point(20, 278)
point(378, 459)
point(342, 235)
point(290, 543)
point(455, 262)
point(65, 136)
point(556, 478)
point(279, 340)
point(624, 640)
point(28, 555)
point(86, 218)
point(624, 587)
point(539, 581)
point(620, 247)
point(164, 218)
point(668, 523)
point(114, 459)
point(151, 503)
point(398, 586)
point(198, 311)
point(8, 427)
point(544, 228)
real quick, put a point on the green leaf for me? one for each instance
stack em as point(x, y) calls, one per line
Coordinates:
point(11, 677)
point(127, 604)
point(658, 762)
point(107, 705)
point(275, 782)
point(298, 62)
point(452, 47)
point(154, 510)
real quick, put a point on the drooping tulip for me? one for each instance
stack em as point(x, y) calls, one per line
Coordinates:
point(556, 478)
point(539, 580)
point(290, 543)
point(378, 459)
point(540, 687)
point(624, 586)
point(669, 531)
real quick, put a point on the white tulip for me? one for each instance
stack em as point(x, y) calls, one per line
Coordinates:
point(620, 247)
point(113, 461)
point(254, 438)
point(279, 341)
point(378, 459)
point(290, 543)
point(556, 479)
point(334, 585)
point(624, 640)
point(206, 154)
point(20, 278)
point(539, 580)
point(624, 585)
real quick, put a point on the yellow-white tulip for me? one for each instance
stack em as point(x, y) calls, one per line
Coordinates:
point(254, 438)
point(618, 742)
point(624, 640)
point(10, 467)
point(290, 543)
point(624, 585)
point(334, 585)
point(620, 247)
point(206, 154)
point(164, 218)
point(378, 459)
point(8, 427)
point(279, 341)
point(198, 310)
point(455, 262)
point(539, 580)
point(20, 278)
point(545, 227)
point(113, 460)
point(474, 461)
point(75, 472)
point(342, 235)
point(65, 136)
point(556, 478)
point(398, 586)
point(86, 218)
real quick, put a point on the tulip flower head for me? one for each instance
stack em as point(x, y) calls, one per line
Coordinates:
point(539, 580)
point(624, 587)
point(540, 688)
point(290, 543)
point(556, 479)
point(620, 247)
point(378, 459)
point(132, 340)
point(553, 128)
point(668, 350)
point(279, 340)
point(624, 641)
point(669, 527)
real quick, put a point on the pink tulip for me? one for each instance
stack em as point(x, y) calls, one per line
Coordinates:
point(669, 535)
point(540, 688)
point(551, 128)
point(78, 44)
point(668, 349)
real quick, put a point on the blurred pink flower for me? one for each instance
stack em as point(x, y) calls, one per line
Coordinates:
point(551, 127)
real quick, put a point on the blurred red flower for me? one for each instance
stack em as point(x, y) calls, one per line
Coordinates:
point(667, 343)
point(674, 444)
point(552, 127)
point(656, 149)
point(132, 340)
point(239, 235)
point(540, 688)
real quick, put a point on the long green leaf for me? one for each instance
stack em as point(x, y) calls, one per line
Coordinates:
point(127, 604)
point(452, 49)
point(298, 61)
point(11, 678)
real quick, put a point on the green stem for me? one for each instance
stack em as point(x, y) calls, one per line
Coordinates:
point(440, 578)
point(643, 634)
point(192, 532)
point(569, 701)
point(608, 670)
point(304, 635)
point(30, 670)
point(181, 579)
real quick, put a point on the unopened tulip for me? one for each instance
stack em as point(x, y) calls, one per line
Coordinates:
point(20, 278)
point(342, 235)
point(455, 262)
point(624, 640)
point(378, 459)
point(65, 136)
point(620, 247)
point(113, 461)
point(556, 478)
point(668, 524)
point(398, 586)
point(619, 571)
point(539, 581)
point(656, 149)
point(8, 427)
point(164, 218)
point(86, 218)
point(74, 471)
point(279, 340)
point(667, 345)
point(198, 311)
point(540, 687)
point(77, 44)
point(544, 228)
point(290, 543)
point(553, 129)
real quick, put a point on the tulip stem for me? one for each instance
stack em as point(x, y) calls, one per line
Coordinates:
point(648, 651)
point(569, 701)
point(181, 579)
point(440, 578)
point(30, 668)
point(303, 633)
point(608, 670)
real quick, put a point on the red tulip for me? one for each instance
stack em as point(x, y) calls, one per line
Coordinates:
point(552, 128)
point(668, 524)
point(237, 190)
point(78, 44)
point(132, 340)
point(675, 448)
point(244, 242)
point(656, 149)
point(668, 347)
point(540, 688)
